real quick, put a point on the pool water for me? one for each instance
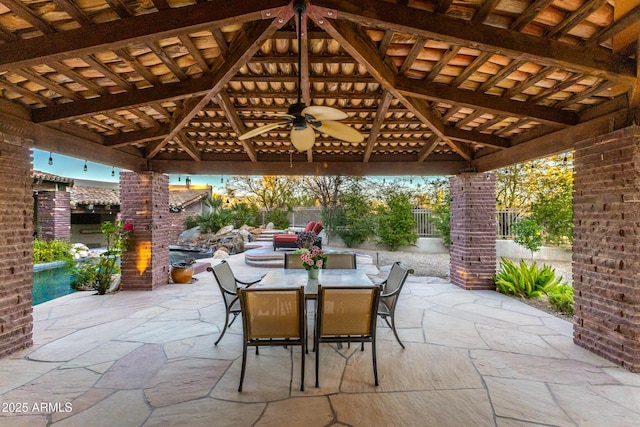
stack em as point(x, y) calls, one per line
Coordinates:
point(51, 284)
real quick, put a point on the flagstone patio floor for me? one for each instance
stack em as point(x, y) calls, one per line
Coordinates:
point(472, 358)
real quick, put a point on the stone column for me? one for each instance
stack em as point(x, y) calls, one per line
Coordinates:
point(144, 202)
point(53, 215)
point(16, 247)
point(606, 246)
point(473, 231)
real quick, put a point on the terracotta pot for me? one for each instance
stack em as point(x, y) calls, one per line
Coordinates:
point(182, 274)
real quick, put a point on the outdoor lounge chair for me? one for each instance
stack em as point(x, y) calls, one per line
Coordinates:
point(391, 288)
point(228, 285)
point(273, 317)
point(289, 240)
point(346, 314)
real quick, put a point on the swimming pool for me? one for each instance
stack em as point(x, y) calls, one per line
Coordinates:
point(50, 281)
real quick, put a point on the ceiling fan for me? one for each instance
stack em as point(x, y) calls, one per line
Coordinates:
point(305, 120)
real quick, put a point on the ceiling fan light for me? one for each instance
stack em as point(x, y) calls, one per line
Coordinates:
point(304, 139)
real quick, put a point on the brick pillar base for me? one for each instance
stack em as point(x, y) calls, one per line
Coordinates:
point(144, 202)
point(606, 247)
point(16, 249)
point(53, 215)
point(473, 231)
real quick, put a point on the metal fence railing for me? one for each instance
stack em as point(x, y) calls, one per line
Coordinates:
point(505, 218)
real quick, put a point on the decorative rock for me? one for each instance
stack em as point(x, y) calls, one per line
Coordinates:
point(220, 254)
point(224, 230)
point(270, 226)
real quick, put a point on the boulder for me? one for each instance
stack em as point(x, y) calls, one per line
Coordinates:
point(224, 230)
point(220, 254)
point(190, 237)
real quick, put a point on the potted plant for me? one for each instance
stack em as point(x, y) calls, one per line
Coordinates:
point(182, 272)
point(313, 260)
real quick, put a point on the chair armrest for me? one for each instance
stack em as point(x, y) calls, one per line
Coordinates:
point(249, 283)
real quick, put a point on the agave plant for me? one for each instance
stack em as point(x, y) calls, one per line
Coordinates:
point(529, 281)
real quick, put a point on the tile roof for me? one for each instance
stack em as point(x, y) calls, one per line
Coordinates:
point(111, 196)
point(43, 176)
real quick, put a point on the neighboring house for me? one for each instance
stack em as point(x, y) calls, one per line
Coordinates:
point(93, 202)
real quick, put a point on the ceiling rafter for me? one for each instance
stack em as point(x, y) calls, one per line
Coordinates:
point(409, 20)
point(236, 123)
point(136, 29)
point(243, 48)
point(383, 106)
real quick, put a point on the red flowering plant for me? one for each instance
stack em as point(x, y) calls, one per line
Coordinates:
point(313, 259)
point(117, 235)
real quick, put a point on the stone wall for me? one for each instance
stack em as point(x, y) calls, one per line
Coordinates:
point(144, 202)
point(606, 247)
point(176, 224)
point(53, 215)
point(16, 248)
point(473, 230)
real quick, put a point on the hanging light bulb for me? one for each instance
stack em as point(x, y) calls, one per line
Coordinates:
point(113, 171)
point(187, 182)
point(178, 178)
point(221, 179)
point(85, 166)
point(50, 159)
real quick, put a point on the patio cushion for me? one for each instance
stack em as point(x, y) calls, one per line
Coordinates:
point(309, 226)
point(318, 227)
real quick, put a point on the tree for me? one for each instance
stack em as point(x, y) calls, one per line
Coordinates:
point(356, 223)
point(269, 192)
point(395, 221)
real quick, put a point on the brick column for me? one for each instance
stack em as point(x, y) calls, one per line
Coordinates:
point(144, 201)
point(473, 231)
point(606, 246)
point(16, 248)
point(54, 215)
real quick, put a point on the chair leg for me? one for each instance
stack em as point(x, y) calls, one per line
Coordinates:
point(393, 328)
point(224, 329)
point(244, 365)
point(317, 347)
point(302, 357)
point(375, 364)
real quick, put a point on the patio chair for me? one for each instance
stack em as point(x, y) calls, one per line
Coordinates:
point(391, 288)
point(228, 285)
point(346, 314)
point(273, 317)
point(340, 261)
point(292, 261)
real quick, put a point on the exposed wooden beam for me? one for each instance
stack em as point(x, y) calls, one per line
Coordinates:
point(553, 143)
point(383, 106)
point(302, 168)
point(230, 113)
point(629, 18)
point(355, 44)
point(476, 137)
point(428, 148)
point(139, 136)
point(529, 14)
point(25, 13)
point(410, 20)
point(48, 139)
point(239, 54)
point(136, 29)
point(188, 147)
point(438, 92)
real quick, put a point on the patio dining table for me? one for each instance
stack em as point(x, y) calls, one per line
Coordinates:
point(298, 277)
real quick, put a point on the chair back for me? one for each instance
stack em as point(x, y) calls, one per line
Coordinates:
point(292, 261)
point(226, 281)
point(273, 314)
point(340, 261)
point(348, 312)
point(393, 285)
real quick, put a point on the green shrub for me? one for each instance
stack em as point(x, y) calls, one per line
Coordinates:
point(528, 233)
point(561, 298)
point(358, 219)
point(55, 250)
point(278, 218)
point(528, 281)
point(441, 220)
point(86, 275)
point(396, 225)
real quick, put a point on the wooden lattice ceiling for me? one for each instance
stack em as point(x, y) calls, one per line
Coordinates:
point(435, 86)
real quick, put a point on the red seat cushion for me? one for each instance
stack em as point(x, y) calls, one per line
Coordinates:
point(290, 238)
point(317, 228)
point(309, 226)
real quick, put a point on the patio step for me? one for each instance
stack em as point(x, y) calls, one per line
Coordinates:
point(264, 257)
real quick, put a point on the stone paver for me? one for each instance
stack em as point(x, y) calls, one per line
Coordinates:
point(472, 358)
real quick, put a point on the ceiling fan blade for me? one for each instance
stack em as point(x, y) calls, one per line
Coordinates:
point(260, 130)
point(324, 113)
point(303, 139)
point(340, 131)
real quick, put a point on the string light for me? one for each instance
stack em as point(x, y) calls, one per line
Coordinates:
point(178, 178)
point(113, 171)
point(222, 179)
point(50, 159)
point(85, 166)
point(187, 182)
